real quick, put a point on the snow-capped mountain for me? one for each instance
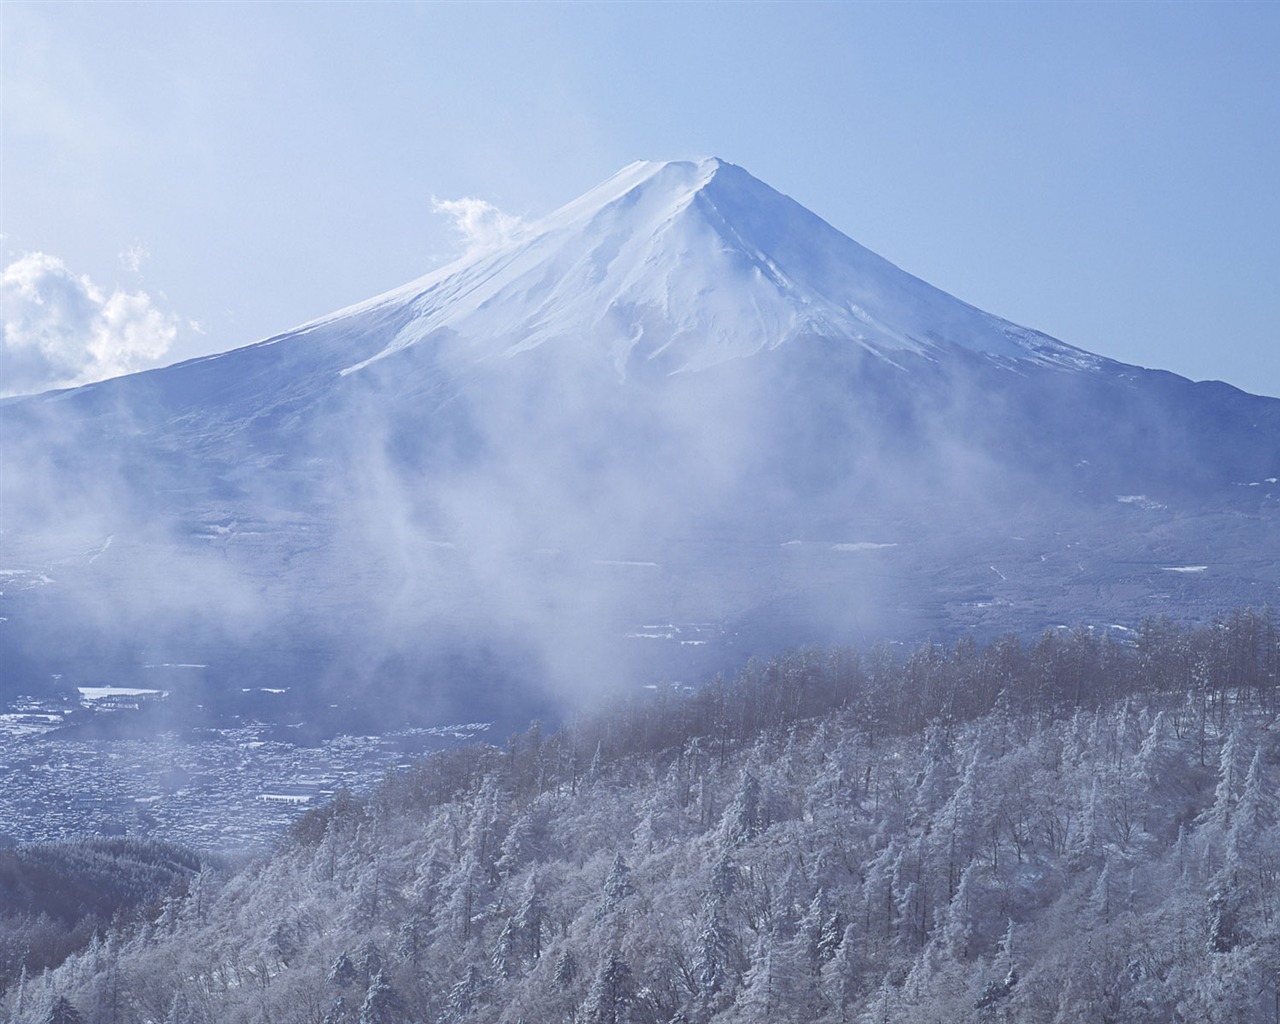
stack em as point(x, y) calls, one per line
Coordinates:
point(693, 264)
point(676, 422)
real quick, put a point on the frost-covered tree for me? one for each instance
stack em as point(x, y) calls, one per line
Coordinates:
point(613, 995)
point(530, 920)
point(744, 818)
point(844, 977)
point(617, 884)
point(565, 971)
point(466, 996)
point(777, 985)
point(180, 1011)
point(343, 972)
point(382, 1003)
point(61, 1011)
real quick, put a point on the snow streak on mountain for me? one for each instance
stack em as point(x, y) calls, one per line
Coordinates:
point(677, 422)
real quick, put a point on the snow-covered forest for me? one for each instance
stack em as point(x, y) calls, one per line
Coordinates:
point(1082, 828)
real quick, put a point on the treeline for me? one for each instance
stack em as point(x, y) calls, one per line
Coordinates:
point(889, 690)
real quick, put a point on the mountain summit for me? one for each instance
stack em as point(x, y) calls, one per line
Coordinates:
point(677, 422)
point(691, 264)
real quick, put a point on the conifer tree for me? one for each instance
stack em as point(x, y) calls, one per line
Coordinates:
point(179, 1009)
point(617, 884)
point(466, 995)
point(565, 972)
point(343, 971)
point(612, 996)
point(61, 1011)
point(842, 977)
point(382, 1003)
point(744, 817)
point(529, 920)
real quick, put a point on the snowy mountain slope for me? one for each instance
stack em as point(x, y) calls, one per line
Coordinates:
point(676, 422)
point(695, 263)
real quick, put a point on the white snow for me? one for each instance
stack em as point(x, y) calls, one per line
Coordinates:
point(92, 693)
point(26, 577)
point(862, 545)
point(690, 263)
point(1142, 501)
point(102, 550)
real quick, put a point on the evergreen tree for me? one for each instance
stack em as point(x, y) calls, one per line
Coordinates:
point(411, 942)
point(722, 884)
point(565, 972)
point(1254, 813)
point(718, 962)
point(179, 1009)
point(369, 960)
point(612, 996)
point(382, 1003)
point(505, 959)
point(343, 972)
point(744, 817)
point(617, 884)
point(465, 997)
point(530, 920)
point(843, 977)
point(960, 927)
point(62, 1012)
point(777, 986)
point(1004, 977)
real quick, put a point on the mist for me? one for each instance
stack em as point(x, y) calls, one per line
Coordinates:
point(545, 520)
point(427, 537)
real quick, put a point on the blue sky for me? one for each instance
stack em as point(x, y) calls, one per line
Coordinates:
point(200, 176)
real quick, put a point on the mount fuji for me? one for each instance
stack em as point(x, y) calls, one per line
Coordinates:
point(679, 421)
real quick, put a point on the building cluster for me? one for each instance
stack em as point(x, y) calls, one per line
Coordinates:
point(216, 789)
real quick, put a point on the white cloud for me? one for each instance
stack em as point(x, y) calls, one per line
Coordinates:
point(134, 257)
point(481, 224)
point(61, 330)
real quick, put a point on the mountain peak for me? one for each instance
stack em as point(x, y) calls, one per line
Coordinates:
point(690, 263)
point(674, 176)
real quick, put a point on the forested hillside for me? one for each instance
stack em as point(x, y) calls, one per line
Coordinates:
point(1080, 829)
point(54, 897)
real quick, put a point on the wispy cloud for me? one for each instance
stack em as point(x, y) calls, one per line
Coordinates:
point(59, 329)
point(479, 223)
point(134, 257)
